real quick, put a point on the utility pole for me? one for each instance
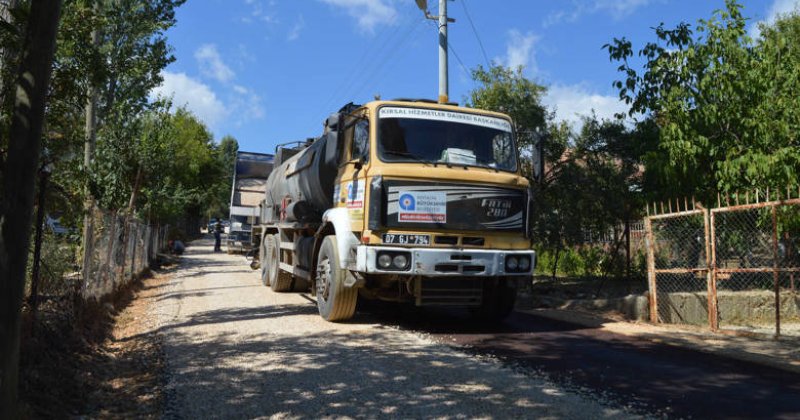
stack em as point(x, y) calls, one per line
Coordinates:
point(444, 87)
point(443, 82)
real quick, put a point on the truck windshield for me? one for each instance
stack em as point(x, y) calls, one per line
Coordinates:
point(452, 138)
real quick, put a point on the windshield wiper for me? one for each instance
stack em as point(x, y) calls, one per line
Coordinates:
point(409, 155)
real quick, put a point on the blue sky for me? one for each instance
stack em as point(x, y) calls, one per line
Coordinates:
point(269, 71)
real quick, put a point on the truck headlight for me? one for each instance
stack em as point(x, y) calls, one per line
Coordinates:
point(393, 261)
point(384, 261)
point(524, 264)
point(518, 263)
point(400, 261)
point(512, 263)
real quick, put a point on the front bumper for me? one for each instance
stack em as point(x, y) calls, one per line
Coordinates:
point(439, 262)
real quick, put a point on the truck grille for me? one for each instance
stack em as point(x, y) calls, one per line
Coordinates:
point(446, 240)
point(450, 292)
point(472, 241)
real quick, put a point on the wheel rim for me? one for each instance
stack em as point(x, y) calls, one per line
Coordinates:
point(323, 280)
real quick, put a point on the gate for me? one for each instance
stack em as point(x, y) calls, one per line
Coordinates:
point(733, 268)
point(677, 261)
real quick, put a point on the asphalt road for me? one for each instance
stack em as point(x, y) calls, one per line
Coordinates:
point(653, 377)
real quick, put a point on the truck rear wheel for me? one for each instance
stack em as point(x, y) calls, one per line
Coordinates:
point(334, 301)
point(279, 280)
point(497, 303)
point(262, 258)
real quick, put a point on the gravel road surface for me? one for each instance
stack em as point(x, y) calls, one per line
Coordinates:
point(235, 349)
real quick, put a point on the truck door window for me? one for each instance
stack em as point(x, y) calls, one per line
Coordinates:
point(360, 149)
point(503, 150)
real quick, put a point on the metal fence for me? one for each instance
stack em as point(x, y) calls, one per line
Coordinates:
point(733, 268)
point(121, 250)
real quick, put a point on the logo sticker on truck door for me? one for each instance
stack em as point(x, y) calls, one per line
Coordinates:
point(422, 207)
point(355, 195)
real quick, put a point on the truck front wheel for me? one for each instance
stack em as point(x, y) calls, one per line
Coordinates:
point(334, 301)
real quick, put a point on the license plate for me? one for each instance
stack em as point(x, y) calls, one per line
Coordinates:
point(391, 238)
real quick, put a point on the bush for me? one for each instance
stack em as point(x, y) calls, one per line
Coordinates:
point(58, 258)
point(588, 261)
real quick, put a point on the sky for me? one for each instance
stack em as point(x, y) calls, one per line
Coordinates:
point(270, 71)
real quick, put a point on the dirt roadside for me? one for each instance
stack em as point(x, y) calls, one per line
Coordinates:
point(101, 362)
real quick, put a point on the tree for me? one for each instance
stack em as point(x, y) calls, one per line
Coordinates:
point(508, 91)
point(593, 178)
point(181, 172)
point(226, 156)
point(20, 167)
point(727, 108)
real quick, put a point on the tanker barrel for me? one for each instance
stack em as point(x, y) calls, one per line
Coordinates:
point(311, 181)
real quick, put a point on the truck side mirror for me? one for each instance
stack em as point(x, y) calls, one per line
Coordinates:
point(537, 156)
point(332, 146)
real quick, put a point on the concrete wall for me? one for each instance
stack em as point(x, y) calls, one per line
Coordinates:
point(756, 307)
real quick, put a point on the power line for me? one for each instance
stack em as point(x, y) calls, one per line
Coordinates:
point(389, 55)
point(461, 63)
point(362, 64)
point(450, 48)
point(475, 31)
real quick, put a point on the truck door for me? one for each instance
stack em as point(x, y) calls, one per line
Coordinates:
point(353, 170)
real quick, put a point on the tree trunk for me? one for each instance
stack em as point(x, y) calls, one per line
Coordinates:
point(7, 56)
point(126, 229)
point(555, 260)
point(88, 156)
point(16, 208)
point(628, 247)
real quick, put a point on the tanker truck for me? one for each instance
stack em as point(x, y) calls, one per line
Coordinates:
point(404, 201)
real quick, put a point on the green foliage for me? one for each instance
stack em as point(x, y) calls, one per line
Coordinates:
point(221, 196)
point(727, 107)
point(180, 169)
point(510, 92)
point(57, 260)
point(593, 179)
point(588, 261)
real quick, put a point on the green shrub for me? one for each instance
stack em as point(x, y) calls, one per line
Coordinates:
point(588, 261)
point(571, 264)
point(593, 258)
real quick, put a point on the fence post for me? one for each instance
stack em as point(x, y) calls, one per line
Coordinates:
point(776, 271)
point(651, 269)
point(711, 265)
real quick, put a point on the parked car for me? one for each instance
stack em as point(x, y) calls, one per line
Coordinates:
point(226, 225)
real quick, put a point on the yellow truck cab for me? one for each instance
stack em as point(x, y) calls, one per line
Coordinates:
point(428, 206)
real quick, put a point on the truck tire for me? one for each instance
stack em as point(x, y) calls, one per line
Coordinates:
point(262, 259)
point(279, 280)
point(497, 303)
point(334, 301)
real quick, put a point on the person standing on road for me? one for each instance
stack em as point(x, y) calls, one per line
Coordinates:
point(218, 236)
